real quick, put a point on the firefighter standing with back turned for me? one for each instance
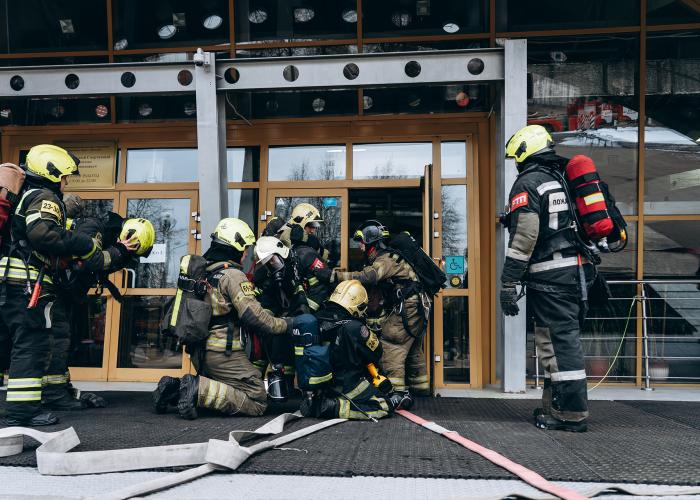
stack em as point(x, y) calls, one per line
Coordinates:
point(28, 269)
point(544, 254)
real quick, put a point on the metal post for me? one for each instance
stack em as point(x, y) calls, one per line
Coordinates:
point(211, 146)
point(513, 116)
point(645, 339)
point(537, 368)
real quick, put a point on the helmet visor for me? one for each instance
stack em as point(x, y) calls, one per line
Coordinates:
point(362, 308)
point(273, 263)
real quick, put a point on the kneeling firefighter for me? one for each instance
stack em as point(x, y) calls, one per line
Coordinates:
point(123, 242)
point(280, 292)
point(354, 351)
point(29, 271)
point(545, 254)
point(227, 381)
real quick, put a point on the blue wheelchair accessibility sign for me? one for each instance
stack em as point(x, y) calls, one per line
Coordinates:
point(454, 264)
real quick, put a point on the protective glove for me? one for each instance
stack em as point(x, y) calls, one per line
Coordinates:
point(509, 299)
point(92, 400)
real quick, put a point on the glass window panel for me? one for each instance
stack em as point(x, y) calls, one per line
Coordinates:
point(53, 25)
point(171, 220)
point(516, 15)
point(54, 111)
point(453, 159)
point(291, 104)
point(399, 209)
point(161, 165)
point(674, 332)
point(313, 19)
point(149, 108)
point(672, 249)
point(423, 17)
point(426, 99)
point(243, 204)
point(88, 322)
point(54, 61)
point(296, 51)
point(622, 265)
point(141, 342)
point(672, 151)
point(672, 11)
point(302, 163)
point(243, 164)
point(410, 46)
point(454, 235)
point(390, 160)
point(169, 24)
point(584, 93)
point(455, 331)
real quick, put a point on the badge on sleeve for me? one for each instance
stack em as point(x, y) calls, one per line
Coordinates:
point(317, 264)
point(248, 288)
point(519, 200)
point(51, 208)
point(372, 342)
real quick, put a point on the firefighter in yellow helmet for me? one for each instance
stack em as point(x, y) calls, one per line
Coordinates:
point(544, 255)
point(353, 346)
point(227, 381)
point(123, 242)
point(28, 272)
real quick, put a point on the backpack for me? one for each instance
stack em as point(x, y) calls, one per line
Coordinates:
point(596, 211)
point(188, 315)
point(11, 182)
point(312, 360)
point(430, 275)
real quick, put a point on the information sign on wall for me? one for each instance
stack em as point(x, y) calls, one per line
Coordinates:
point(98, 163)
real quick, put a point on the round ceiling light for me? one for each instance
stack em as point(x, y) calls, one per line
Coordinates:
point(145, 109)
point(401, 19)
point(303, 14)
point(414, 101)
point(349, 15)
point(121, 44)
point(212, 21)
point(257, 16)
point(167, 31)
point(367, 102)
point(190, 109)
point(450, 27)
point(318, 104)
point(462, 99)
point(101, 111)
point(57, 111)
point(5, 112)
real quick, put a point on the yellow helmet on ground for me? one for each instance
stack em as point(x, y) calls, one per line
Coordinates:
point(51, 162)
point(305, 213)
point(351, 296)
point(141, 231)
point(529, 141)
point(234, 233)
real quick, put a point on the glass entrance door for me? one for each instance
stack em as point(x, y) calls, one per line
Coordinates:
point(141, 351)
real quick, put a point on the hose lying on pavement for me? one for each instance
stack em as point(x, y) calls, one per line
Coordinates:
point(52, 458)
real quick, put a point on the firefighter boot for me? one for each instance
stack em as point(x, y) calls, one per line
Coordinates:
point(549, 423)
point(167, 393)
point(189, 392)
point(66, 402)
point(277, 385)
point(38, 420)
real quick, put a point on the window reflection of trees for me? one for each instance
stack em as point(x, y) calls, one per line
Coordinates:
point(325, 170)
point(454, 226)
point(169, 218)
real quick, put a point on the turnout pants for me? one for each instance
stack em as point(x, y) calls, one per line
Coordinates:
point(230, 384)
point(558, 317)
point(31, 332)
point(403, 359)
point(361, 395)
point(57, 378)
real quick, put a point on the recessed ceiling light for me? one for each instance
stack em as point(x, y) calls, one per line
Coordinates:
point(5, 112)
point(414, 101)
point(121, 44)
point(101, 110)
point(349, 15)
point(257, 16)
point(189, 108)
point(318, 104)
point(303, 14)
point(145, 109)
point(57, 111)
point(450, 27)
point(67, 27)
point(167, 31)
point(212, 21)
point(401, 19)
point(367, 102)
point(462, 99)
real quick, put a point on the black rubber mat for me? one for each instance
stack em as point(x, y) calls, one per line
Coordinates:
point(646, 442)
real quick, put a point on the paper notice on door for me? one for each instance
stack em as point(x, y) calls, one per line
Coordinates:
point(157, 255)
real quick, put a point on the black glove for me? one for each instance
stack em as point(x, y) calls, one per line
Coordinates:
point(92, 400)
point(509, 299)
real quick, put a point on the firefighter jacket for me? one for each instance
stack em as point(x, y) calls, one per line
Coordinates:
point(281, 294)
point(234, 305)
point(543, 248)
point(314, 273)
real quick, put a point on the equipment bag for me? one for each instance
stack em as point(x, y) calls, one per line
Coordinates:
point(598, 215)
point(188, 315)
point(312, 360)
point(430, 275)
point(11, 182)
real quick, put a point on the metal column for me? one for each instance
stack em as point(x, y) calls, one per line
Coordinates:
point(510, 330)
point(211, 148)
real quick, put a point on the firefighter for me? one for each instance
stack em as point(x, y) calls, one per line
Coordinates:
point(352, 347)
point(227, 382)
point(29, 268)
point(135, 239)
point(280, 292)
point(544, 255)
point(407, 308)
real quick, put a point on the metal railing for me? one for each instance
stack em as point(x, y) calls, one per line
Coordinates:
point(648, 336)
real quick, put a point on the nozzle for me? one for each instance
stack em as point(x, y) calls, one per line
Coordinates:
point(379, 381)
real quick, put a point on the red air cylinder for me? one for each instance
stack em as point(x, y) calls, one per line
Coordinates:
point(584, 182)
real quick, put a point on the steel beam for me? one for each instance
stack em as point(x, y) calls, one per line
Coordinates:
point(511, 336)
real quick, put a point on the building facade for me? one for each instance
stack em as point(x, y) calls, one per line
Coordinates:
point(617, 81)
